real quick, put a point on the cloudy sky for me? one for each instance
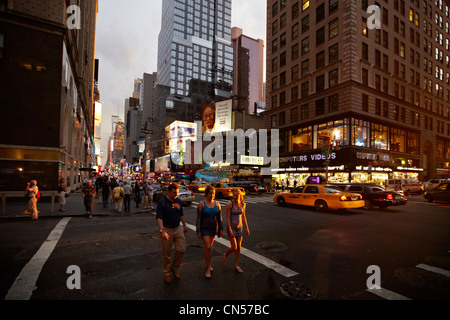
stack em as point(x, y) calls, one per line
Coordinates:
point(127, 46)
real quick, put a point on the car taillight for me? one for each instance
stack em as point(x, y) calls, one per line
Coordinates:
point(403, 195)
point(343, 198)
point(255, 187)
point(229, 190)
point(192, 194)
point(390, 197)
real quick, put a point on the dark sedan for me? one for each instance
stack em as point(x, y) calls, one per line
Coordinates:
point(251, 187)
point(373, 195)
point(440, 193)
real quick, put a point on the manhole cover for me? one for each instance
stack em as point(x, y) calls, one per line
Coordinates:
point(271, 246)
point(297, 291)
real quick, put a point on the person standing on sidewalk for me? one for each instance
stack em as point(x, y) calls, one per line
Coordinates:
point(209, 223)
point(62, 195)
point(88, 193)
point(169, 214)
point(128, 195)
point(33, 191)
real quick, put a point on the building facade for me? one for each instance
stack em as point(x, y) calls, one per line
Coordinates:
point(366, 99)
point(248, 71)
point(195, 55)
point(47, 92)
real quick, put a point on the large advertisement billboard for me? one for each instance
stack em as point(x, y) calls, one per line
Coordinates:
point(179, 132)
point(217, 117)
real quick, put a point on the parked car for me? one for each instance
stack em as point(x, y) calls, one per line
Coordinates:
point(198, 186)
point(186, 196)
point(251, 186)
point(225, 190)
point(323, 197)
point(440, 193)
point(407, 186)
point(373, 195)
point(436, 182)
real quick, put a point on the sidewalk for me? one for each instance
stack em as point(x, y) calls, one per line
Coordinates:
point(74, 208)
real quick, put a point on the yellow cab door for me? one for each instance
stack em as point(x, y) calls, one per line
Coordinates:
point(295, 196)
point(310, 195)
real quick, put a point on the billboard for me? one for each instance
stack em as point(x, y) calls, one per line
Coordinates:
point(179, 132)
point(216, 117)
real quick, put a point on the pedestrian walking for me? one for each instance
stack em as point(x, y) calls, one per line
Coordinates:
point(150, 190)
point(137, 193)
point(118, 195)
point(128, 191)
point(209, 223)
point(145, 194)
point(98, 188)
point(113, 184)
point(169, 214)
point(106, 190)
point(33, 192)
point(62, 194)
point(88, 193)
point(236, 220)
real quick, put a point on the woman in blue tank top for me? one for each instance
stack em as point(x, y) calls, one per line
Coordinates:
point(209, 223)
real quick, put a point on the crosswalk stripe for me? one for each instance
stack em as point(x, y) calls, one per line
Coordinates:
point(286, 272)
point(387, 294)
point(434, 269)
point(25, 283)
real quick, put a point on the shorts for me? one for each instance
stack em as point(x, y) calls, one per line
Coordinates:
point(238, 232)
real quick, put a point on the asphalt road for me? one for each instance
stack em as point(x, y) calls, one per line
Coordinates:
point(292, 253)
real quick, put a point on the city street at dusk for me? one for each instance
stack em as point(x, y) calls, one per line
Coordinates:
point(223, 158)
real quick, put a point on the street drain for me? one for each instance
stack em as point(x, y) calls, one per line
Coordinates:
point(297, 291)
point(271, 246)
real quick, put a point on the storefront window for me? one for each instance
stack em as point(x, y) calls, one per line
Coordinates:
point(301, 140)
point(334, 132)
point(398, 140)
point(440, 149)
point(360, 133)
point(413, 142)
point(379, 136)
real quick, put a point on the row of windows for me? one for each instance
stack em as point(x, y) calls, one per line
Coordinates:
point(350, 132)
point(382, 108)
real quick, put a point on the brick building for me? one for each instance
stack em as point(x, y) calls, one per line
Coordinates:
point(379, 97)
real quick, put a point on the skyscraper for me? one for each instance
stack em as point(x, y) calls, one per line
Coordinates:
point(375, 91)
point(194, 43)
point(248, 82)
point(195, 61)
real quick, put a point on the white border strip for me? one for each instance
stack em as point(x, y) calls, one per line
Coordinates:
point(25, 283)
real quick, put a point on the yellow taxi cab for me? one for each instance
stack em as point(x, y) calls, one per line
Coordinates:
point(323, 197)
point(225, 189)
point(198, 186)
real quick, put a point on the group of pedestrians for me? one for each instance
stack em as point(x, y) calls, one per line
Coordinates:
point(172, 229)
point(118, 193)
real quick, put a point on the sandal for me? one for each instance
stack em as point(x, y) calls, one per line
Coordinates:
point(238, 269)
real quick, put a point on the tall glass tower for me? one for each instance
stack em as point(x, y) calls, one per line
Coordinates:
point(195, 44)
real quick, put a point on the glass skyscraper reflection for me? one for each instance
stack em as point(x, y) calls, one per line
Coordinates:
point(195, 43)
